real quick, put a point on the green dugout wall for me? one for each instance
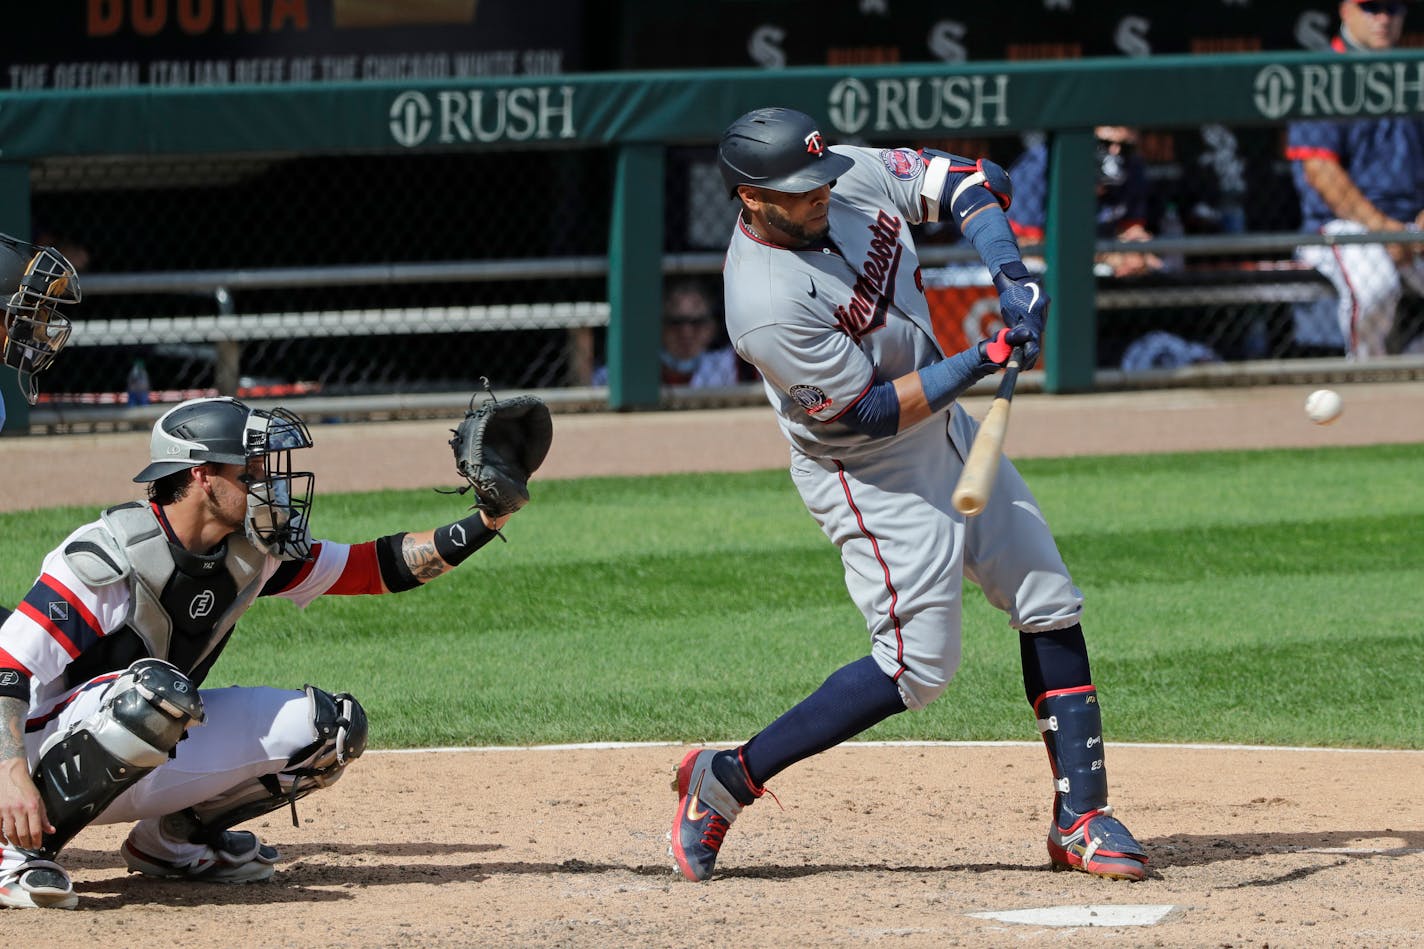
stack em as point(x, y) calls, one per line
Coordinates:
point(639, 114)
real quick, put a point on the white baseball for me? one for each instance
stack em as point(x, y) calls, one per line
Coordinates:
point(1324, 406)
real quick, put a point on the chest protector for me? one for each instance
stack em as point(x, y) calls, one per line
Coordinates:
point(181, 606)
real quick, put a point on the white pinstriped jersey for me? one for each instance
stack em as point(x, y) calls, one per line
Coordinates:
point(825, 323)
point(62, 617)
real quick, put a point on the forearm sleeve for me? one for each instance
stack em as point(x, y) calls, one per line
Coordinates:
point(947, 379)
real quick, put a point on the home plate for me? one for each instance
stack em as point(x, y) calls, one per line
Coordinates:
point(1105, 915)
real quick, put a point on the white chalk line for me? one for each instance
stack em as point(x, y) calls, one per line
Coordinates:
point(621, 745)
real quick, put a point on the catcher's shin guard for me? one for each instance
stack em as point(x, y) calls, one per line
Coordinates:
point(339, 723)
point(1084, 835)
point(83, 769)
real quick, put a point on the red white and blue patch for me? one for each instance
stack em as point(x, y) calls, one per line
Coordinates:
point(903, 163)
point(811, 398)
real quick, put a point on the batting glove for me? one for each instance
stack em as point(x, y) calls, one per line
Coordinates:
point(1024, 306)
point(996, 351)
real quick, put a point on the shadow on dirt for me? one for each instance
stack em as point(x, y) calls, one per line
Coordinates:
point(316, 873)
point(1330, 848)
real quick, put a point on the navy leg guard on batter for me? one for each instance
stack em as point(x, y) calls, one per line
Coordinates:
point(80, 771)
point(1084, 834)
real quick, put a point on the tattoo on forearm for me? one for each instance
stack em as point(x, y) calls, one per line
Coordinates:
point(424, 563)
point(12, 727)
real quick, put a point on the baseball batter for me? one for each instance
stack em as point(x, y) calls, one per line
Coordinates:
point(824, 297)
point(101, 716)
point(1358, 176)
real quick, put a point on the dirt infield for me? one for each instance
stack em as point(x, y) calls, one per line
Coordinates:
point(880, 845)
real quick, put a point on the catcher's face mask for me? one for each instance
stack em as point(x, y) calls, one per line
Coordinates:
point(35, 330)
point(278, 497)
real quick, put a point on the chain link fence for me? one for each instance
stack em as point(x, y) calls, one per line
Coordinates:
point(339, 275)
point(409, 273)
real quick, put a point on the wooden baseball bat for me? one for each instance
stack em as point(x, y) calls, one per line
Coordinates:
point(977, 478)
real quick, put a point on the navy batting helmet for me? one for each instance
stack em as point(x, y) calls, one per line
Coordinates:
point(778, 149)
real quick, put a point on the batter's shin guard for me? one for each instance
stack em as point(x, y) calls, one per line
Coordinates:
point(1084, 834)
point(83, 769)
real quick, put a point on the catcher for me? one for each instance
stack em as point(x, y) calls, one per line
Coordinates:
point(102, 714)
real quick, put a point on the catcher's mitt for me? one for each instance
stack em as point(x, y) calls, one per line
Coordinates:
point(498, 446)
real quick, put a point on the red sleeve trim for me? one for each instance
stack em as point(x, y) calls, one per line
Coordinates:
point(57, 634)
point(84, 612)
point(851, 404)
point(362, 573)
point(8, 661)
point(1302, 152)
point(303, 572)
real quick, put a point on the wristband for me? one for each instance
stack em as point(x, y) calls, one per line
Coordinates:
point(454, 542)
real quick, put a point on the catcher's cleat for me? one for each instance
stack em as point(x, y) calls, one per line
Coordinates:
point(242, 858)
point(1096, 843)
point(37, 884)
point(705, 810)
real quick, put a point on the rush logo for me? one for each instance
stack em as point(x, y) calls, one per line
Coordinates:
point(874, 290)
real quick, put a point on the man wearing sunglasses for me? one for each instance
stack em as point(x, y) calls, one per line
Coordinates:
point(1359, 176)
point(687, 356)
point(1122, 193)
point(101, 664)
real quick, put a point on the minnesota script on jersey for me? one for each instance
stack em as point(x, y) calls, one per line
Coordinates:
point(826, 322)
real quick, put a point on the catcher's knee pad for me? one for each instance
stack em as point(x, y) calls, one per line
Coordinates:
point(141, 719)
point(339, 722)
point(1072, 727)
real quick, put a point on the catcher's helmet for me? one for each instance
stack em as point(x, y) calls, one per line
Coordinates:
point(197, 431)
point(225, 431)
point(778, 149)
point(36, 281)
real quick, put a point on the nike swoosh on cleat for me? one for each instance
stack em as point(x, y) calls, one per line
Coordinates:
point(694, 812)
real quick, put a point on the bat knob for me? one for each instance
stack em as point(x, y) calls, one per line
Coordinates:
point(968, 503)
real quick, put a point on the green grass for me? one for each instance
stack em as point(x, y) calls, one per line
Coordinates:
point(1264, 597)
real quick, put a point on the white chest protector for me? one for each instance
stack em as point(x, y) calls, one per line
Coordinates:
point(181, 606)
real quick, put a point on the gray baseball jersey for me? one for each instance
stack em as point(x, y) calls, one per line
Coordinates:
point(823, 324)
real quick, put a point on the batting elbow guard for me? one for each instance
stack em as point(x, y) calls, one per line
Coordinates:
point(961, 185)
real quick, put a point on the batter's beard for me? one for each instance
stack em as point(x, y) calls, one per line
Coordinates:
point(801, 234)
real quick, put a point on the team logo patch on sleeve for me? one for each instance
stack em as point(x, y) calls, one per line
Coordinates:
point(810, 398)
point(902, 163)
